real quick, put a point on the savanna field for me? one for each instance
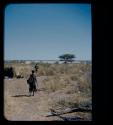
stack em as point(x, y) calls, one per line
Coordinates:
point(60, 87)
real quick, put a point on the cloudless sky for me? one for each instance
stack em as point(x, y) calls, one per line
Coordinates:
point(46, 31)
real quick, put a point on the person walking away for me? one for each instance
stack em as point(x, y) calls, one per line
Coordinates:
point(36, 68)
point(32, 81)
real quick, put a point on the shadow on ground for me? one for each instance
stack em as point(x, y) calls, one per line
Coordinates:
point(21, 96)
point(25, 95)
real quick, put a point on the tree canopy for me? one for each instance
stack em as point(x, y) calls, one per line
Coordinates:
point(67, 57)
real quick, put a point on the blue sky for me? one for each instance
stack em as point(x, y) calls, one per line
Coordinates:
point(45, 31)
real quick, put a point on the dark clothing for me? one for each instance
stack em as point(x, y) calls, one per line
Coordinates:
point(32, 85)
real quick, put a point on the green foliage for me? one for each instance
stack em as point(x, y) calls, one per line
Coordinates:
point(67, 58)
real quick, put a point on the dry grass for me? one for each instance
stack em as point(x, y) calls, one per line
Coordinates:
point(69, 100)
point(71, 86)
point(54, 83)
point(67, 85)
point(72, 77)
point(52, 69)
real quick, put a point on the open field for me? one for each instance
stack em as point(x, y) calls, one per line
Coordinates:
point(59, 86)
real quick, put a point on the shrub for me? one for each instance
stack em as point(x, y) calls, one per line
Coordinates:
point(9, 72)
point(70, 101)
point(54, 83)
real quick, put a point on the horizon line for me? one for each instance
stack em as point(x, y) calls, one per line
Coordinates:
point(43, 60)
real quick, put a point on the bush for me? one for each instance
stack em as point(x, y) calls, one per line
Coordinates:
point(9, 72)
point(54, 83)
point(70, 100)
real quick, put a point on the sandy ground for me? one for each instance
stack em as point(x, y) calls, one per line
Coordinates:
point(18, 106)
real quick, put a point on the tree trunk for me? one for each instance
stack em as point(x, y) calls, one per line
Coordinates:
point(54, 113)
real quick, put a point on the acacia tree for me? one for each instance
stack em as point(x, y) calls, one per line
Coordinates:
point(67, 58)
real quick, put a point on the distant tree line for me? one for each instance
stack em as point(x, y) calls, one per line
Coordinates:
point(9, 71)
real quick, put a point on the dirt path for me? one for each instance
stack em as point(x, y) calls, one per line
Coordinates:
point(19, 106)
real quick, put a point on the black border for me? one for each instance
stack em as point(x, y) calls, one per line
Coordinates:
point(101, 63)
point(100, 20)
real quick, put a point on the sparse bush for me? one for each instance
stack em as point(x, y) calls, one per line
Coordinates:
point(67, 101)
point(84, 84)
point(53, 84)
point(74, 77)
point(70, 101)
point(9, 72)
point(77, 70)
point(67, 85)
